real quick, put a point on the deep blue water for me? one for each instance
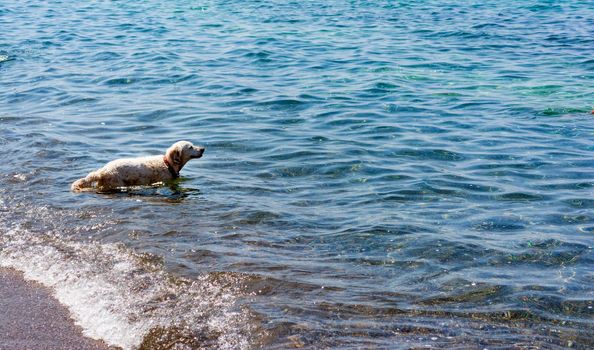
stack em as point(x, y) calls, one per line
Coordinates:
point(385, 174)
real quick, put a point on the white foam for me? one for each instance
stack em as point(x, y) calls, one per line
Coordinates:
point(115, 295)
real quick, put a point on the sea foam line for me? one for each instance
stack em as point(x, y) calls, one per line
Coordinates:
point(114, 295)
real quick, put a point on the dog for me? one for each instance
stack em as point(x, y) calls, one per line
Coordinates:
point(140, 171)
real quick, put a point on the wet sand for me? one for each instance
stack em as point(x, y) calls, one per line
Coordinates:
point(31, 318)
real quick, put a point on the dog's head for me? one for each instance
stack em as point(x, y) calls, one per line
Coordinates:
point(181, 152)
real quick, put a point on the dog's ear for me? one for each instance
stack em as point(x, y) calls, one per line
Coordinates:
point(175, 156)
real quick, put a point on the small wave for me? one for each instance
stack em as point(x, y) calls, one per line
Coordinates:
point(580, 202)
point(126, 298)
point(122, 81)
point(107, 56)
point(559, 111)
point(430, 154)
point(283, 104)
point(500, 224)
point(487, 25)
point(520, 197)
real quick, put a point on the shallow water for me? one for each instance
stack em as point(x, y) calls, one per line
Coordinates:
point(377, 174)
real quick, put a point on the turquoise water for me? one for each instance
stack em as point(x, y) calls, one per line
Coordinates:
point(377, 174)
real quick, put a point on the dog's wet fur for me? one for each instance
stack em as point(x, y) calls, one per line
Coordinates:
point(142, 171)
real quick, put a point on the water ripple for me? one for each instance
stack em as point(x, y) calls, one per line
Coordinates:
point(378, 174)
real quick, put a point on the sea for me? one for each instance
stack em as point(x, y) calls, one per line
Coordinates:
point(377, 175)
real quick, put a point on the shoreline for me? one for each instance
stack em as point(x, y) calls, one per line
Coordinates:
point(32, 318)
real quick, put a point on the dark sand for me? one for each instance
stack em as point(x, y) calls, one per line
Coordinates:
point(31, 318)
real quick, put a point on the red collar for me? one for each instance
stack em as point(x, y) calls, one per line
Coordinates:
point(174, 174)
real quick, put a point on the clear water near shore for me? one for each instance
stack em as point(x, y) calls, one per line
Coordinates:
point(377, 174)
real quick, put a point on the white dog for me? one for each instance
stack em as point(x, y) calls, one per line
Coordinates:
point(140, 171)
